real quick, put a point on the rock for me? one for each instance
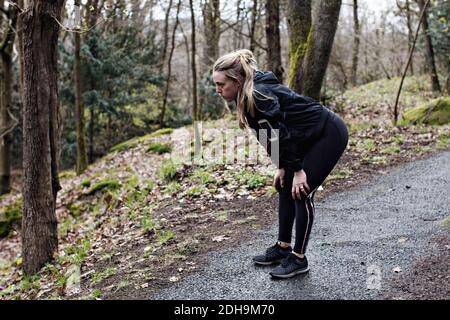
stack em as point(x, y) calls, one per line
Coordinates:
point(436, 111)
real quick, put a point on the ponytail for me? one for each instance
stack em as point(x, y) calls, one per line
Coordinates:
point(240, 66)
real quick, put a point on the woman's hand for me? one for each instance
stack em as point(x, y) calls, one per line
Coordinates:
point(278, 180)
point(299, 185)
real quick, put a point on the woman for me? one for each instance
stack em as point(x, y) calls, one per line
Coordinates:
point(311, 139)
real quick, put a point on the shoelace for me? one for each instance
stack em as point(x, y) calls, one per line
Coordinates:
point(272, 250)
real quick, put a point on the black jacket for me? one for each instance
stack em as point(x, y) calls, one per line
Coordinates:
point(299, 120)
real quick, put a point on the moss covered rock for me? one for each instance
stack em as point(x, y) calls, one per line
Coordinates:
point(436, 111)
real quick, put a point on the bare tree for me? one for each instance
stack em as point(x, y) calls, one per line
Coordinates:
point(169, 67)
point(195, 112)
point(211, 22)
point(273, 38)
point(165, 36)
point(253, 25)
point(422, 16)
point(40, 132)
point(429, 52)
point(6, 120)
point(238, 39)
point(407, 10)
point(356, 41)
point(81, 164)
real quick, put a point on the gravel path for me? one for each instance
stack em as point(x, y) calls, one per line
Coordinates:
point(361, 239)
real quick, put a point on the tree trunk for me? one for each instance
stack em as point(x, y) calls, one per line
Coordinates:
point(410, 33)
point(20, 45)
point(91, 132)
point(40, 133)
point(166, 38)
point(447, 82)
point(356, 41)
point(2, 6)
point(6, 123)
point(169, 68)
point(95, 8)
point(79, 106)
point(299, 25)
point(188, 65)
point(237, 43)
point(253, 25)
point(195, 113)
point(211, 21)
point(274, 62)
point(315, 52)
point(429, 52)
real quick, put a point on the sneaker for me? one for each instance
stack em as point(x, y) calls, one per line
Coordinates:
point(274, 254)
point(290, 267)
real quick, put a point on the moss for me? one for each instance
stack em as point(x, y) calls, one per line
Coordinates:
point(86, 182)
point(159, 148)
point(10, 215)
point(168, 171)
point(444, 140)
point(435, 112)
point(139, 140)
point(165, 236)
point(123, 146)
point(297, 55)
point(105, 184)
point(161, 132)
point(67, 174)
point(132, 182)
point(375, 95)
point(75, 209)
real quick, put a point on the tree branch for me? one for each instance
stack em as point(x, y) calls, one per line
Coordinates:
point(4, 132)
point(422, 14)
point(231, 26)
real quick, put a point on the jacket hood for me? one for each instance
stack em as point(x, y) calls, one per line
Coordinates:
point(265, 77)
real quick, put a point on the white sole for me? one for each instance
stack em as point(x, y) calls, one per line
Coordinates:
point(289, 275)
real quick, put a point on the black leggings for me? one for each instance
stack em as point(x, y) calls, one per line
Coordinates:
point(318, 162)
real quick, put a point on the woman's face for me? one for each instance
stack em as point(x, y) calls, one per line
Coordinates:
point(227, 88)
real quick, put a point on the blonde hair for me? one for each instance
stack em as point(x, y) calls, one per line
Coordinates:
point(240, 66)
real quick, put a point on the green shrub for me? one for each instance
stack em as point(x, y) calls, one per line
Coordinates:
point(168, 171)
point(159, 148)
point(105, 184)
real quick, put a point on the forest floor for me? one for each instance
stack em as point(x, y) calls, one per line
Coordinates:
point(144, 217)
